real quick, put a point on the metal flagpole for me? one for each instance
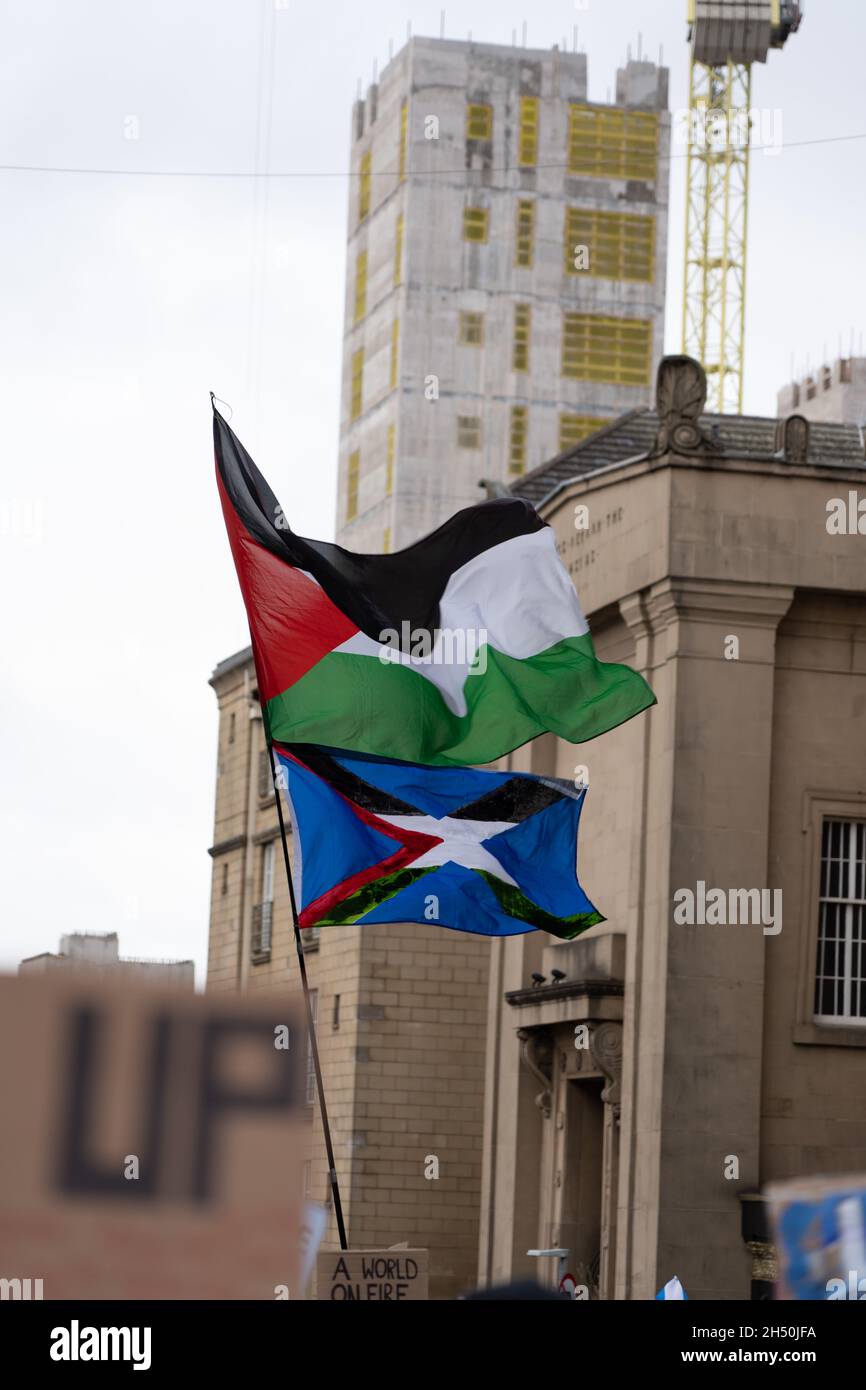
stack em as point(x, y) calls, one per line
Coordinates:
point(299, 947)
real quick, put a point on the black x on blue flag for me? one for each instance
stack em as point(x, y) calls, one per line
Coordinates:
point(380, 841)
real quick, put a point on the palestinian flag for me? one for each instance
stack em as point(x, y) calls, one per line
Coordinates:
point(452, 652)
point(478, 851)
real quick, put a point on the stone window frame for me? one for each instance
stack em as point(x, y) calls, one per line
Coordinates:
point(818, 806)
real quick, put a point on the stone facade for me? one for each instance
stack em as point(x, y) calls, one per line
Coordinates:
point(700, 1072)
point(634, 1105)
point(401, 1021)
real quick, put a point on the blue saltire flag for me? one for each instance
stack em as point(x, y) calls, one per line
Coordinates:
point(381, 841)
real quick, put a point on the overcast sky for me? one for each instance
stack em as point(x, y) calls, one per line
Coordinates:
point(126, 298)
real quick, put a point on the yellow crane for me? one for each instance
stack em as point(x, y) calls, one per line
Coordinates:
point(726, 38)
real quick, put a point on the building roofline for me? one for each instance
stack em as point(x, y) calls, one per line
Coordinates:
point(230, 663)
point(771, 464)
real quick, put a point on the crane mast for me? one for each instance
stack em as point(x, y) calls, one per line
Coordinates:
point(726, 37)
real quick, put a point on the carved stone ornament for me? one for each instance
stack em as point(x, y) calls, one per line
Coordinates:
point(605, 1044)
point(537, 1053)
point(681, 395)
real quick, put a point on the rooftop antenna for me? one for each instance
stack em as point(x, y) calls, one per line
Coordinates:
point(574, 39)
point(628, 53)
point(523, 40)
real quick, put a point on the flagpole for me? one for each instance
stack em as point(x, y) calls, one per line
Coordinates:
point(314, 1046)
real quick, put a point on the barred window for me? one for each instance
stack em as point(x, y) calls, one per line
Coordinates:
point(469, 431)
point(840, 976)
point(517, 439)
point(479, 121)
point(620, 245)
point(471, 328)
point(525, 238)
point(528, 143)
point(608, 142)
point(475, 221)
point(263, 910)
point(596, 348)
point(574, 428)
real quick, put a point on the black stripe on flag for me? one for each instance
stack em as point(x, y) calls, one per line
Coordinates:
point(354, 788)
point(515, 800)
point(377, 592)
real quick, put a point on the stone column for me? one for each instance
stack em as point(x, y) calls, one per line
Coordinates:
point(605, 1046)
point(694, 997)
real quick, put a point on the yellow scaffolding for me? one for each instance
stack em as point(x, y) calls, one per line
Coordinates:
point(727, 37)
point(717, 214)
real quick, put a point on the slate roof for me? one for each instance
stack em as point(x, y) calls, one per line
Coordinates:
point(632, 436)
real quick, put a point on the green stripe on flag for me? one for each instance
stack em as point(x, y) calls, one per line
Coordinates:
point(516, 904)
point(370, 896)
point(359, 703)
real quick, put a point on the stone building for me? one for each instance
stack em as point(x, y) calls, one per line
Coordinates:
point(100, 951)
point(637, 1100)
point(401, 1020)
point(505, 283)
point(835, 392)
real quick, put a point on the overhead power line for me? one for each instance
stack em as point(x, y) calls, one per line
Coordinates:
point(348, 173)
